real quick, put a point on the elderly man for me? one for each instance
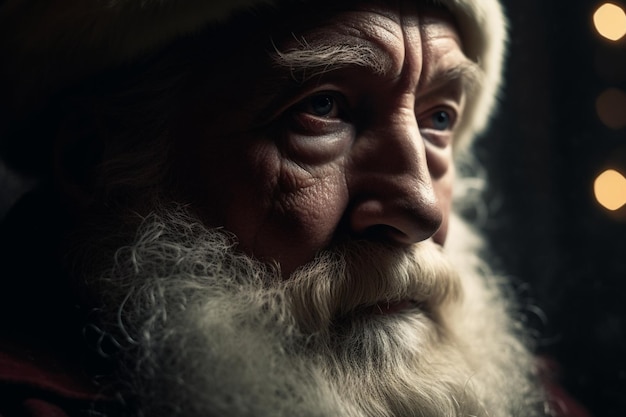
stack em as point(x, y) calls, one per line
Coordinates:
point(244, 209)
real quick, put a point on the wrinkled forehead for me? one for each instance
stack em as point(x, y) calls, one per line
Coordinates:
point(378, 38)
point(313, 26)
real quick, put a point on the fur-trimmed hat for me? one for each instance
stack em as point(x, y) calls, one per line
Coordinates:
point(47, 45)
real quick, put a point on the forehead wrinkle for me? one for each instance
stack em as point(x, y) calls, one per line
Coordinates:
point(355, 42)
point(412, 62)
point(449, 68)
point(385, 29)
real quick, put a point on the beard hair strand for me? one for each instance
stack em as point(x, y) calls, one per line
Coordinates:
point(204, 330)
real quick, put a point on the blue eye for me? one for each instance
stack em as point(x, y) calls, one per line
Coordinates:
point(319, 114)
point(321, 105)
point(441, 120)
point(324, 105)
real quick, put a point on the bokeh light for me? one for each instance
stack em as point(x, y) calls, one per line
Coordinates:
point(610, 189)
point(611, 108)
point(610, 21)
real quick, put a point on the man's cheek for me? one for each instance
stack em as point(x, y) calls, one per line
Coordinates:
point(313, 202)
point(301, 223)
point(319, 150)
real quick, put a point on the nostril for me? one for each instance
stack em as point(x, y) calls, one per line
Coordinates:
point(395, 221)
point(385, 233)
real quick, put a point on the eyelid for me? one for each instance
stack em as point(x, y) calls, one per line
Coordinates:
point(439, 138)
point(285, 103)
point(452, 112)
point(339, 101)
point(303, 120)
point(441, 98)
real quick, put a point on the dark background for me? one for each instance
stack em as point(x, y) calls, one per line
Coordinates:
point(545, 149)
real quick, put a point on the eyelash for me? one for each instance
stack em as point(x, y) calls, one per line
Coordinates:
point(324, 98)
point(321, 112)
point(431, 122)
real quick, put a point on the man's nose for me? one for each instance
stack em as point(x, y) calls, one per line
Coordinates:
point(392, 193)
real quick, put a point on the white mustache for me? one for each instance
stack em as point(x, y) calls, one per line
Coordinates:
point(361, 274)
point(207, 329)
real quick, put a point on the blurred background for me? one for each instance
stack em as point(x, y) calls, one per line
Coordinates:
point(556, 162)
point(556, 204)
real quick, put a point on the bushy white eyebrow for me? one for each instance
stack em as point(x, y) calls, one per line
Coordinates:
point(468, 73)
point(307, 61)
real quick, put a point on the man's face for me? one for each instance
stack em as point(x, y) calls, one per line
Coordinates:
point(324, 144)
point(344, 130)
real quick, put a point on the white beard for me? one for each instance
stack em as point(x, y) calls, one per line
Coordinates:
point(206, 331)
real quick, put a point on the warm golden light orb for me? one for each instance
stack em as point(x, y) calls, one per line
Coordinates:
point(610, 189)
point(610, 21)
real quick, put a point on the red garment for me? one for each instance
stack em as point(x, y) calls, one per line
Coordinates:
point(38, 385)
point(562, 403)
